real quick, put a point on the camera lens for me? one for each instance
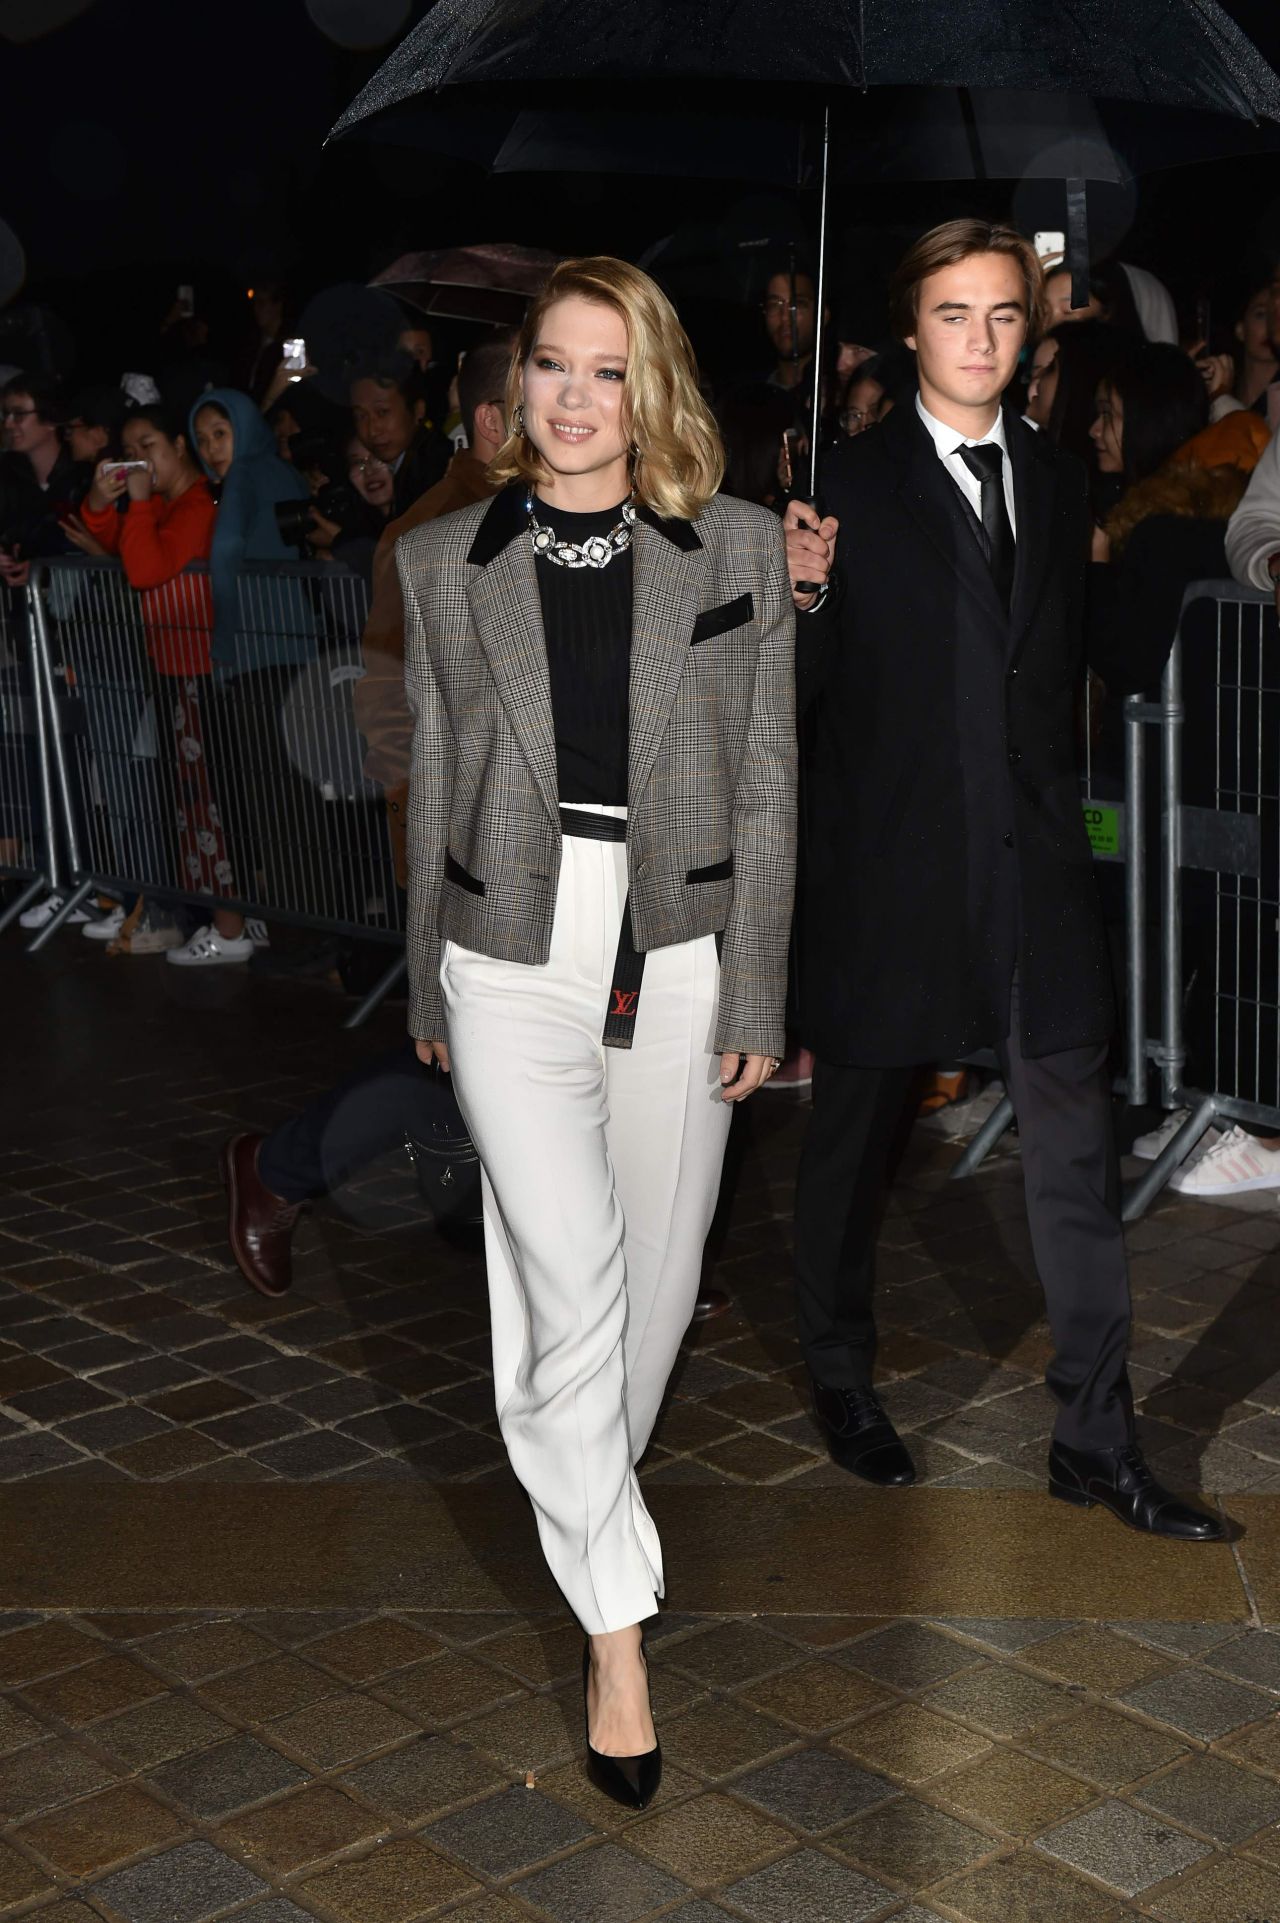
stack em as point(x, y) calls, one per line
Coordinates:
point(293, 519)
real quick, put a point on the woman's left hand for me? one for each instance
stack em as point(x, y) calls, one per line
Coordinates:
point(1101, 545)
point(79, 536)
point(742, 1075)
point(139, 484)
point(323, 535)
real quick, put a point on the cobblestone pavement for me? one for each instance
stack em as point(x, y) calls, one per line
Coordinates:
point(363, 1765)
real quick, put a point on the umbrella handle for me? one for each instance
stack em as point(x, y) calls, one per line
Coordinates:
point(808, 500)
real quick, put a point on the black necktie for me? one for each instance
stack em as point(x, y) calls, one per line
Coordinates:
point(986, 464)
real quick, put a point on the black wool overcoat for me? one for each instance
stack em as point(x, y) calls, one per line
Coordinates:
point(944, 842)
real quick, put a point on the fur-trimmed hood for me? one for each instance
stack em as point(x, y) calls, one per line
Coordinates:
point(1186, 486)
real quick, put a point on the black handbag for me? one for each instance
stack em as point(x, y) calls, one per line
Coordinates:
point(448, 1170)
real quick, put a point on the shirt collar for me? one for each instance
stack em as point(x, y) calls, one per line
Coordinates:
point(947, 441)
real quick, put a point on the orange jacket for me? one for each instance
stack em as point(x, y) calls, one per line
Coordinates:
point(155, 540)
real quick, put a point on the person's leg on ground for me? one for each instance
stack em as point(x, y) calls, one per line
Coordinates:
point(1071, 1178)
point(529, 1071)
point(270, 1178)
point(839, 1195)
point(1070, 1173)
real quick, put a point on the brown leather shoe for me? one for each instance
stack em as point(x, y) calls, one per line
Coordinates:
point(260, 1225)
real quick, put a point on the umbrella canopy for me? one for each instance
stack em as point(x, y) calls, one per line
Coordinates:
point(1181, 53)
point(1186, 54)
point(487, 283)
point(901, 133)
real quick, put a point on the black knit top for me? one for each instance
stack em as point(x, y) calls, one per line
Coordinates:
point(586, 617)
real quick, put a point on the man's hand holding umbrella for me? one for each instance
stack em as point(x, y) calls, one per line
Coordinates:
point(811, 551)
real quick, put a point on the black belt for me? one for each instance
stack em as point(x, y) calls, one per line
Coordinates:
point(628, 965)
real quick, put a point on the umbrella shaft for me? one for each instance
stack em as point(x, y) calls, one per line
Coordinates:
point(819, 325)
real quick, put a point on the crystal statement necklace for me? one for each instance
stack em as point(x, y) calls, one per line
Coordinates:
point(595, 552)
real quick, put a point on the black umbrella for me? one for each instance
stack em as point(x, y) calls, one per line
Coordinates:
point(492, 283)
point(1186, 54)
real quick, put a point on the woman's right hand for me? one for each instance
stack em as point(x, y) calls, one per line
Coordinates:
point(1217, 371)
point(283, 379)
point(429, 1052)
point(109, 483)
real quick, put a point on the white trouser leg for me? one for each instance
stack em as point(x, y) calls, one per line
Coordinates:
point(588, 1308)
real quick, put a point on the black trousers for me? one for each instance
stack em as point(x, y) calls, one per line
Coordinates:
point(1071, 1178)
point(355, 1122)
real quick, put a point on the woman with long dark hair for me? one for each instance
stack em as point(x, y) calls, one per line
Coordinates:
point(601, 852)
point(1068, 365)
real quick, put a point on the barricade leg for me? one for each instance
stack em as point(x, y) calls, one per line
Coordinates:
point(378, 993)
point(79, 895)
point(999, 1120)
point(1143, 1192)
point(33, 892)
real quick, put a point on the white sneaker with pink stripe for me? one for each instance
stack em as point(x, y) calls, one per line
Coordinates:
point(1235, 1164)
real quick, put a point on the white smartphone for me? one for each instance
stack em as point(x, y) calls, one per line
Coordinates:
point(295, 355)
point(187, 302)
point(1050, 244)
point(131, 467)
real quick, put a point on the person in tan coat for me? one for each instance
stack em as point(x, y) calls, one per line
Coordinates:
point(382, 712)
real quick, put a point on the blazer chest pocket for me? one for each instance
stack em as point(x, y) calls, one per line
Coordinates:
point(714, 871)
point(461, 877)
point(730, 614)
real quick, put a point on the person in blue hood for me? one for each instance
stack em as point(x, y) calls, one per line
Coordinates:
point(237, 450)
point(255, 660)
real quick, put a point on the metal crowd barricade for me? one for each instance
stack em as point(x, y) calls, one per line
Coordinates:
point(242, 791)
point(1218, 1050)
point(29, 846)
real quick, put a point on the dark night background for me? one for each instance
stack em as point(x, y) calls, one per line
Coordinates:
point(146, 145)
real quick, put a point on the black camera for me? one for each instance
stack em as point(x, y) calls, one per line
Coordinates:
point(293, 519)
point(338, 502)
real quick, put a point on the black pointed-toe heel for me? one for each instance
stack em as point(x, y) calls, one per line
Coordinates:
point(630, 1780)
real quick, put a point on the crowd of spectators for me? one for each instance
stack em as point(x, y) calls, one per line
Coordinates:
point(229, 461)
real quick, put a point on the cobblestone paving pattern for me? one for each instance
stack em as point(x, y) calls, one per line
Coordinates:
point(372, 1769)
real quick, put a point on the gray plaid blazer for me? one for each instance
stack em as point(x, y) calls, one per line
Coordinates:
point(711, 825)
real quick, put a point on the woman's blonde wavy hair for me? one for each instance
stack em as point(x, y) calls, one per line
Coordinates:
point(677, 460)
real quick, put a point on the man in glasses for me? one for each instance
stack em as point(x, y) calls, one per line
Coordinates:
point(789, 307)
point(37, 475)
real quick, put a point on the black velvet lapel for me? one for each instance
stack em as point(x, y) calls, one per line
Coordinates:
point(505, 517)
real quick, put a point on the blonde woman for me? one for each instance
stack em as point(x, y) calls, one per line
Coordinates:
point(601, 849)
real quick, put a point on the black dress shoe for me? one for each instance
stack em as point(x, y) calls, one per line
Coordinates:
point(861, 1436)
point(630, 1780)
point(1122, 1482)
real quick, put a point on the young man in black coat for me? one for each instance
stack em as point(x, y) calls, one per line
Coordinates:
point(949, 899)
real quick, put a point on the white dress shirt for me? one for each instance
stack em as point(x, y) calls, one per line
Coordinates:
point(948, 444)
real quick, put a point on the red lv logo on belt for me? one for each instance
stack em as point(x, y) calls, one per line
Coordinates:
point(624, 1001)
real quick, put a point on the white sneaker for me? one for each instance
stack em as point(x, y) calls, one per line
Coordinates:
point(1150, 1147)
point(208, 949)
point(256, 931)
point(44, 911)
point(106, 928)
point(1236, 1163)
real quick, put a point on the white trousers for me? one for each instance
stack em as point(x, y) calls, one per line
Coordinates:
point(602, 1167)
